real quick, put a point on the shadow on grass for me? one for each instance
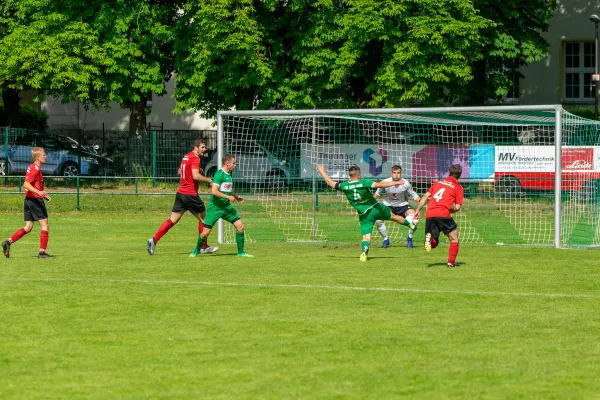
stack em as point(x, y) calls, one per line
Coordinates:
point(445, 264)
point(212, 255)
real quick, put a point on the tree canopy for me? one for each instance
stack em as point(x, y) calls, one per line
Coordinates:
point(96, 52)
point(270, 53)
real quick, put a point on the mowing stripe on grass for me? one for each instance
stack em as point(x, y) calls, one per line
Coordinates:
point(318, 287)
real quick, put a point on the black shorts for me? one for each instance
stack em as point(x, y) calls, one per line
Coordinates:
point(401, 211)
point(188, 202)
point(436, 225)
point(34, 209)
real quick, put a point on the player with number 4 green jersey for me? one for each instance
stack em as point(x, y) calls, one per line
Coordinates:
point(359, 195)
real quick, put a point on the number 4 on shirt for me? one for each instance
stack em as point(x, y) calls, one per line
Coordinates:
point(439, 194)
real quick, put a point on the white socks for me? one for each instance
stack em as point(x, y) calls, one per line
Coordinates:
point(382, 229)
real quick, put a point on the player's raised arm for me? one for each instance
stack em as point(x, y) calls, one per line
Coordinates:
point(326, 177)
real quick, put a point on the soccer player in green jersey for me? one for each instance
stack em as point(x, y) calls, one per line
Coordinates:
point(359, 195)
point(219, 206)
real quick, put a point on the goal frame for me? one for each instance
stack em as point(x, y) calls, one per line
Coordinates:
point(557, 108)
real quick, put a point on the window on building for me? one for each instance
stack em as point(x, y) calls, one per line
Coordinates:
point(580, 62)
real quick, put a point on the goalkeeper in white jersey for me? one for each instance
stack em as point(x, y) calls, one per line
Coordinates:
point(396, 198)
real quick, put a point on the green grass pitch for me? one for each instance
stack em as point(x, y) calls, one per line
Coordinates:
point(104, 320)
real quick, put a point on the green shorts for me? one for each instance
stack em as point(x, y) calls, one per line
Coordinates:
point(228, 213)
point(367, 220)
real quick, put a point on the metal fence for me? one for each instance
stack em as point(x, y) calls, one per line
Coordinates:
point(75, 152)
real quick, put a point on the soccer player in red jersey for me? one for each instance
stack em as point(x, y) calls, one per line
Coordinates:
point(447, 196)
point(34, 207)
point(187, 198)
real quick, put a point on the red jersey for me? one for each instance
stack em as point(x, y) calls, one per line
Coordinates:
point(444, 194)
point(187, 184)
point(34, 176)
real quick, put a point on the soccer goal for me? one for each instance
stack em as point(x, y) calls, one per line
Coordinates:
point(531, 174)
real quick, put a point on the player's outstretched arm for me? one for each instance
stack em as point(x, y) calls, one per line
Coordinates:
point(422, 202)
point(384, 184)
point(326, 177)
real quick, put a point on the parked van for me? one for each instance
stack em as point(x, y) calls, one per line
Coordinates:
point(255, 165)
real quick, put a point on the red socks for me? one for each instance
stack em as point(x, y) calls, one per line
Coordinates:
point(168, 224)
point(18, 235)
point(164, 228)
point(43, 241)
point(200, 229)
point(434, 243)
point(452, 252)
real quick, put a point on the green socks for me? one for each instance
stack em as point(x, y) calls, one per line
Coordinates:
point(406, 223)
point(239, 240)
point(365, 246)
point(200, 243)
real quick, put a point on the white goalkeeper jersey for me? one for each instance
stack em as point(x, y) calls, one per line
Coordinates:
point(397, 196)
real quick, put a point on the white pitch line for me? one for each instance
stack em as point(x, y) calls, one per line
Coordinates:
point(318, 287)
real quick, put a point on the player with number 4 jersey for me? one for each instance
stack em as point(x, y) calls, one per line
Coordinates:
point(446, 198)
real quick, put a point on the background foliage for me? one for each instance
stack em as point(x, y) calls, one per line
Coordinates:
point(269, 53)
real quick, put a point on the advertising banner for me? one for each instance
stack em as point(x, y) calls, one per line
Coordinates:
point(374, 161)
point(419, 163)
point(541, 159)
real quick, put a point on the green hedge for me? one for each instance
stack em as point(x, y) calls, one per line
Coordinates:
point(581, 111)
point(31, 118)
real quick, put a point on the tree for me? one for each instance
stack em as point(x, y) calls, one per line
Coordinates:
point(137, 38)
point(10, 96)
point(96, 52)
point(514, 40)
point(302, 54)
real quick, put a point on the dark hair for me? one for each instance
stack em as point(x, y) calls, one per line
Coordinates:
point(353, 171)
point(396, 167)
point(455, 171)
point(227, 157)
point(197, 143)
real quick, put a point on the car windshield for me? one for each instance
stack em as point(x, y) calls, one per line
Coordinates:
point(67, 142)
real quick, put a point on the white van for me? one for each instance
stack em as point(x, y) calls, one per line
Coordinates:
point(255, 165)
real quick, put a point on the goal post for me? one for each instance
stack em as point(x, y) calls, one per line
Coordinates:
point(531, 173)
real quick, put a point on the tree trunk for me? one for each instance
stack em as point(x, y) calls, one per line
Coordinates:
point(10, 98)
point(477, 88)
point(137, 117)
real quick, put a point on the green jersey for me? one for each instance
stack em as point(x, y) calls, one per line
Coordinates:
point(225, 183)
point(358, 194)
